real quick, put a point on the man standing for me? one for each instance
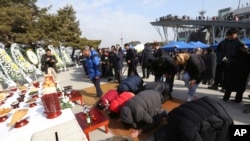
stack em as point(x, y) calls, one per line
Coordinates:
point(49, 61)
point(131, 60)
point(147, 56)
point(93, 68)
point(118, 63)
point(236, 58)
point(158, 52)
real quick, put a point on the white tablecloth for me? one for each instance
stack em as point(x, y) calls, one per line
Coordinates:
point(37, 122)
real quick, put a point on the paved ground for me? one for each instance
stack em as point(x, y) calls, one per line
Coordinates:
point(76, 78)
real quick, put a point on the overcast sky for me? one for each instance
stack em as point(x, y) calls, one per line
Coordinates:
point(108, 20)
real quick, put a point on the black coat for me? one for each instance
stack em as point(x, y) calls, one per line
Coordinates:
point(118, 60)
point(237, 66)
point(131, 55)
point(147, 54)
point(47, 63)
point(141, 109)
point(195, 67)
point(201, 120)
point(169, 66)
point(160, 87)
point(210, 63)
point(158, 53)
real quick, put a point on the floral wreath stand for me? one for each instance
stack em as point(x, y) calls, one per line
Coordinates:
point(10, 69)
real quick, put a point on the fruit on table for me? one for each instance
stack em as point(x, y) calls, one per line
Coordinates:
point(49, 81)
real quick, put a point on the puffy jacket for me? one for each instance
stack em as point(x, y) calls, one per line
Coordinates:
point(120, 101)
point(141, 109)
point(131, 84)
point(106, 99)
point(201, 120)
point(93, 65)
point(160, 87)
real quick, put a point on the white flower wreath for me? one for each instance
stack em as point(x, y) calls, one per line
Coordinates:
point(32, 57)
point(20, 60)
point(9, 66)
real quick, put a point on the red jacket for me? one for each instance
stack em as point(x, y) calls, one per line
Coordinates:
point(120, 101)
point(107, 98)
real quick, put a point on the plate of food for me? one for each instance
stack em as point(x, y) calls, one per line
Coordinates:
point(15, 104)
point(22, 88)
point(3, 113)
point(18, 118)
point(31, 102)
point(2, 99)
point(4, 94)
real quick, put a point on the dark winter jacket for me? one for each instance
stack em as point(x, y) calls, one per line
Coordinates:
point(201, 120)
point(210, 63)
point(147, 54)
point(48, 63)
point(93, 65)
point(160, 87)
point(237, 68)
point(131, 84)
point(118, 60)
point(195, 67)
point(158, 53)
point(131, 55)
point(141, 109)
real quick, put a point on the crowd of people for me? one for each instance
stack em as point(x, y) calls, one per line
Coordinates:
point(227, 67)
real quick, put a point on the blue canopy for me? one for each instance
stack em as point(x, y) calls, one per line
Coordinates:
point(178, 45)
point(246, 41)
point(198, 44)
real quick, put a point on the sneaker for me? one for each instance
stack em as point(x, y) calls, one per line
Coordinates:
point(190, 98)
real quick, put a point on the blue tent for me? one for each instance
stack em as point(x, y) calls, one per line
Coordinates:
point(178, 45)
point(185, 45)
point(198, 44)
point(246, 41)
point(171, 45)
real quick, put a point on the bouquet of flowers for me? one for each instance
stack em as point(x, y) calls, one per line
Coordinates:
point(66, 103)
point(9, 66)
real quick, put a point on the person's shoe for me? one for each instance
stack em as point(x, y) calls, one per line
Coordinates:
point(247, 105)
point(222, 90)
point(213, 87)
point(246, 111)
point(226, 100)
point(236, 101)
point(189, 99)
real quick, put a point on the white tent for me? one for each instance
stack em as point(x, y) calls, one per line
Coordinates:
point(139, 47)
